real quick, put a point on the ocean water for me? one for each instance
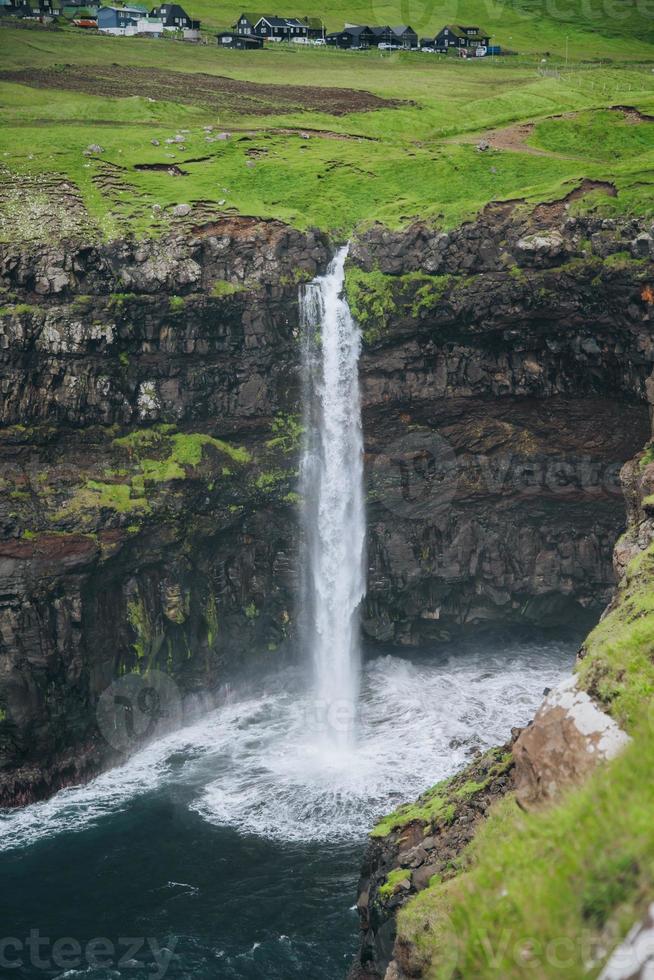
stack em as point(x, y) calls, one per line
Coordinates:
point(231, 849)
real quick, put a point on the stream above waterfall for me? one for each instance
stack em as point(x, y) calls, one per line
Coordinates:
point(235, 843)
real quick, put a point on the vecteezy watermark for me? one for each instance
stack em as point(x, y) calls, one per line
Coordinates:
point(427, 17)
point(418, 476)
point(414, 475)
point(139, 707)
point(128, 952)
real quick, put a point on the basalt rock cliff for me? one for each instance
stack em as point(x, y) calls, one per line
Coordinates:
point(543, 364)
point(148, 453)
point(504, 385)
point(150, 438)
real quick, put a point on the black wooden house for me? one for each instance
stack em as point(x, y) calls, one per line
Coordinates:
point(453, 36)
point(356, 36)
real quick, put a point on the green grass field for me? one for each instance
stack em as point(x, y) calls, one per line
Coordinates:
point(394, 164)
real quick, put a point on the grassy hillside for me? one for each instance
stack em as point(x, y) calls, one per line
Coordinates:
point(414, 156)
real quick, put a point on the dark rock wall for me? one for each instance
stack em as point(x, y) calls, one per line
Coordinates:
point(502, 392)
point(149, 458)
point(149, 448)
point(530, 407)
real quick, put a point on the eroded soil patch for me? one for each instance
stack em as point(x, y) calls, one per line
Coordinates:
point(213, 91)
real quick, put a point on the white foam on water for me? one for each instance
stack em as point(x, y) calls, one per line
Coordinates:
point(418, 723)
point(262, 765)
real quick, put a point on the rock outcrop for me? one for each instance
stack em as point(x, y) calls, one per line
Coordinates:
point(414, 845)
point(567, 739)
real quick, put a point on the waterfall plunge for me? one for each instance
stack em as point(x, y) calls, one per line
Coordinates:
point(332, 495)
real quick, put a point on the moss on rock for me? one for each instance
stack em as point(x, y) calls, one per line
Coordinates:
point(375, 296)
point(438, 806)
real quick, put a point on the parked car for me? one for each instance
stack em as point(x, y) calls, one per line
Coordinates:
point(428, 50)
point(319, 40)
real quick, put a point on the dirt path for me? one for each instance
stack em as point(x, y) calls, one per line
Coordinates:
point(513, 138)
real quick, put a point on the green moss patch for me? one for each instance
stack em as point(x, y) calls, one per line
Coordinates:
point(375, 296)
point(153, 457)
point(287, 433)
point(222, 287)
point(177, 449)
point(394, 880)
point(438, 806)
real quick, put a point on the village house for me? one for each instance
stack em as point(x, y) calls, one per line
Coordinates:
point(453, 36)
point(382, 35)
point(405, 36)
point(275, 28)
point(174, 18)
point(119, 20)
point(133, 19)
point(15, 8)
point(360, 36)
point(241, 42)
point(353, 36)
point(43, 10)
point(245, 23)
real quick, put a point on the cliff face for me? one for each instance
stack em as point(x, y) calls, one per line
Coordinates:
point(149, 446)
point(132, 538)
point(504, 385)
point(557, 366)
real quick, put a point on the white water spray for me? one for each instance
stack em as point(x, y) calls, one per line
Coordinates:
point(332, 495)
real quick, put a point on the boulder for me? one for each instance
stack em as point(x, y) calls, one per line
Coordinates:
point(540, 247)
point(642, 247)
point(568, 738)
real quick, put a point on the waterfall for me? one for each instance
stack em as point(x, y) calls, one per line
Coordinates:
point(332, 496)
